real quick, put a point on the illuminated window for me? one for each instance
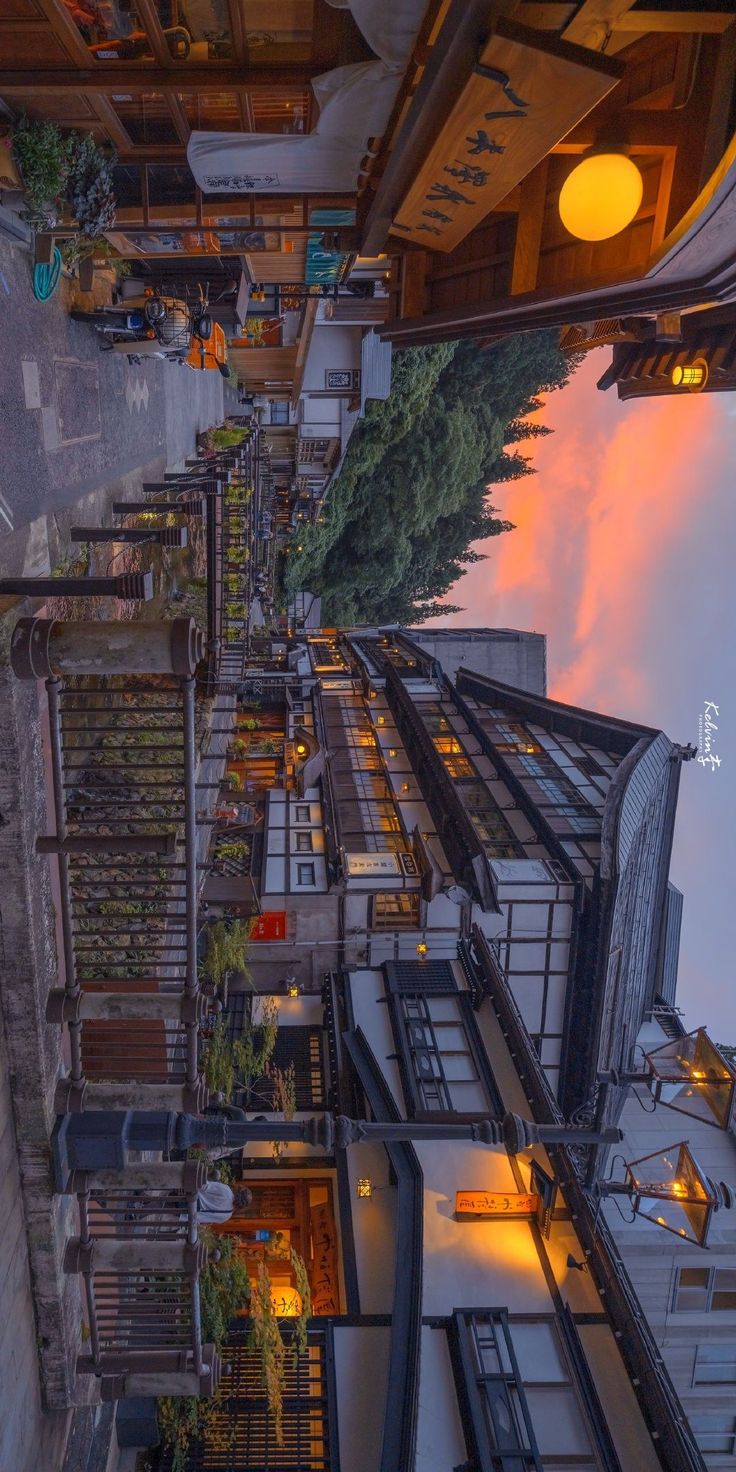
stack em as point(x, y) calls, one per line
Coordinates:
point(513, 736)
point(458, 766)
point(397, 911)
point(446, 744)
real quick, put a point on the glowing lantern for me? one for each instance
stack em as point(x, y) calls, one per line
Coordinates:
point(286, 1302)
point(364, 1188)
point(691, 376)
point(601, 196)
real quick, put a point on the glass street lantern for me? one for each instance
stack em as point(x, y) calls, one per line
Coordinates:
point(689, 1074)
point(669, 1189)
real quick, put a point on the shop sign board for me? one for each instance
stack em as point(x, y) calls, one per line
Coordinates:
point(489, 1205)
point(525, 93)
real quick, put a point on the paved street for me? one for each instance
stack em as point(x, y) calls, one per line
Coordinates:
point(77, 420)
point(80, 427)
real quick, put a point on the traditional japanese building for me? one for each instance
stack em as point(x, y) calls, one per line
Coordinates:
point(514, 165)
point(458, 910)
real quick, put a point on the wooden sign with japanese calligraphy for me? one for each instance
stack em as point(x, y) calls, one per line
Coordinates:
point(323, 1267)
point(491, 1205)
point(526, 91)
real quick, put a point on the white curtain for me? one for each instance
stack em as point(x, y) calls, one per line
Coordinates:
point(355, 104)
point(389, 26)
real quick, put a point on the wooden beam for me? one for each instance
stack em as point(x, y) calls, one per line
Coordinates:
point(111, 122)
point(131, 78)
point(149, 18)
point(178, 116)
point(66, 29)
point(543, 17)
point(594, 21)
point(529, 230)
point(702, 22)
point(657, 129)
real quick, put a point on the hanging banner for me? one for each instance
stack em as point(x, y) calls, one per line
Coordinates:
point(271, 925)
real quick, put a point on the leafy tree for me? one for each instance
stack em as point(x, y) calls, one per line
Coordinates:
point(413, 494)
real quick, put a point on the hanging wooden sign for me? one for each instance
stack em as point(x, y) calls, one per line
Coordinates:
point(488, 1205)
point(526, 91)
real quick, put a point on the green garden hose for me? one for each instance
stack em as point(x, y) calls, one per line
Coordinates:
point(47, 278)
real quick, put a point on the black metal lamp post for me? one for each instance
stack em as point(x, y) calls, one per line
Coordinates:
point(669, 1189)
point(102, 1139)
point(688, 1074)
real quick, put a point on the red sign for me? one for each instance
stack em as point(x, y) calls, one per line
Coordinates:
point(271, 925)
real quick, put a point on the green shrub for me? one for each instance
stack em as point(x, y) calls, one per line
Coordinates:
point(43, 156)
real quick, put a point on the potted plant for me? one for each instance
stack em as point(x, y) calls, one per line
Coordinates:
point(90, 187)
point(43, 156)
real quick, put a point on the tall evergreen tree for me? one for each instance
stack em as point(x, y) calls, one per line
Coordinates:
point(412, 496)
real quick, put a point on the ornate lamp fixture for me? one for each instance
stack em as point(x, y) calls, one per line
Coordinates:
point(669, 1189)
point(688, 1074)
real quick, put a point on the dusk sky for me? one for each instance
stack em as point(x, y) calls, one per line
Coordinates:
point(625, 557)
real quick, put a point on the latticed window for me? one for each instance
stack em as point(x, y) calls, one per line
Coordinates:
point(497, 837)
point(528, 1412)
point(396, 911)
point(443, 1064)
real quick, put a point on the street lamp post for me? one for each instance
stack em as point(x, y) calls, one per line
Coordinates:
point(102, 1139)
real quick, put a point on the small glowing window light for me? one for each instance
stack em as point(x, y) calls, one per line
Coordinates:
point(691, 376)
point(380, 720)
point(393, 751)
point(422, 948)
point(406, 787)
point(364, 1188)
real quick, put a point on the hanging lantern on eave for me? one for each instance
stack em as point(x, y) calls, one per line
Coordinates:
point(601, 195)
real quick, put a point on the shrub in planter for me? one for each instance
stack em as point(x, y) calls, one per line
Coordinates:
point(90, 190)
point(43, 156)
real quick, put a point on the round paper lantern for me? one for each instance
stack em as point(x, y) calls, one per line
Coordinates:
point(601, 196)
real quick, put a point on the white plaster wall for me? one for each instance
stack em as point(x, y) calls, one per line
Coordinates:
point(361, 1372)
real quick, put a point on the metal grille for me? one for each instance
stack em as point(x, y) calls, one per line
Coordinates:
point(416, 977)
point(240, 1434)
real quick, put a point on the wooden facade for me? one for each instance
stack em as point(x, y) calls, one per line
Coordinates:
point(670, 110)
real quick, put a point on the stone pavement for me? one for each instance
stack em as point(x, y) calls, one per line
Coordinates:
point(79, 429)
point(79, 423)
